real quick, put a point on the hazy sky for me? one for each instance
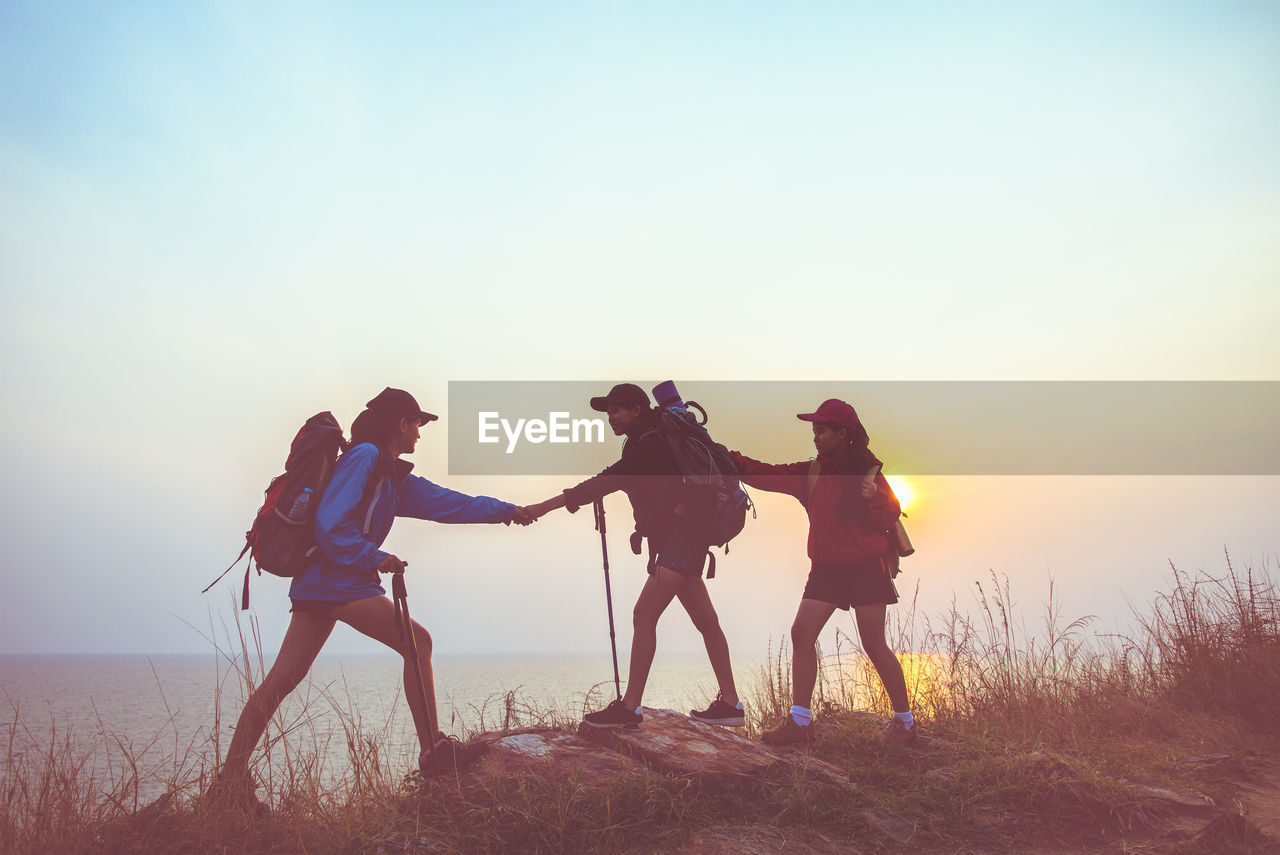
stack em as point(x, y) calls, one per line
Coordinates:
point(219, 218)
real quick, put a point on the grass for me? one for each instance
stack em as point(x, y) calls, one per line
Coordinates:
point(1034, 730)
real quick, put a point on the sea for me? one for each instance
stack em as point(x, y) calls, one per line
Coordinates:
point(150, 723)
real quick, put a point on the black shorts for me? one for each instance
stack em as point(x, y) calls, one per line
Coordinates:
point(319, 609)
point(864, 584)
point(682, 555)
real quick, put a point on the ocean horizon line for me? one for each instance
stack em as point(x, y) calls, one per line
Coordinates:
point(366, 654)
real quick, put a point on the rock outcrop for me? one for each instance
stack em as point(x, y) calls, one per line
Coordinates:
point(678, 754)
point(716, 757)
point(675, 751)
point(548, 752)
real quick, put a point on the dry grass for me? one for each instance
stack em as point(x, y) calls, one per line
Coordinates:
point(1032, 727)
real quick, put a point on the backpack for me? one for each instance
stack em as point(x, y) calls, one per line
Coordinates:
point(898, 544)
point(712, 498)
point(282, 537)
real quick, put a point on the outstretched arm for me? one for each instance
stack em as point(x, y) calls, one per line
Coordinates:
point(641, 459)
point(789, 478)
point(425, 500)
point(575, 497)
point(545, 507)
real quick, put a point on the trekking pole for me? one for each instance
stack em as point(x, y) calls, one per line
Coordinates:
point(405, 625)
point(608, 593)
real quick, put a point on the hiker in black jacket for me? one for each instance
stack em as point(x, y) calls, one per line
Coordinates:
point(647, 473)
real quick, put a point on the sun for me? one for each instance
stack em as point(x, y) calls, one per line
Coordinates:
point(903, 489)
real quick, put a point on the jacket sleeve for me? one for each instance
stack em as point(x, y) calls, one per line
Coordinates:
point(644, 459)
point(425, 500)
point(595, 487)
point(338, 530)
point(789, 478)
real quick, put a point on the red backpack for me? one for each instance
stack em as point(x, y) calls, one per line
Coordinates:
point(282, 538)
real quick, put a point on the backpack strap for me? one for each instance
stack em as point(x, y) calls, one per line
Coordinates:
point(228, 570)
point(383, 467)
point(244, 593)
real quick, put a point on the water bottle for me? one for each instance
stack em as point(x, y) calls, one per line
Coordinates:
point(299, 512)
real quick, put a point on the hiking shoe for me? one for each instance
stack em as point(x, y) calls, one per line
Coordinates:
point(615, 715)
point(721, 713)
point(897, 733)
point(449, 754)
point(788, 733)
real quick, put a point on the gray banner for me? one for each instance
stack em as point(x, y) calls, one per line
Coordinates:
point(916, 427)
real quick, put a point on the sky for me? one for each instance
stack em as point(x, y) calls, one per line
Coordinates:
point(219, 218)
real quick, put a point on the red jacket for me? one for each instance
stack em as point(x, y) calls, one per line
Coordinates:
point(858, 537)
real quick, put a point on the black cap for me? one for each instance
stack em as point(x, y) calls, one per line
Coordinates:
point(622, 395)
point(398, 402)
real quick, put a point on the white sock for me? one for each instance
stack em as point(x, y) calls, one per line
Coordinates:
point(801, 715)
point(638, 710)
point(907, 719)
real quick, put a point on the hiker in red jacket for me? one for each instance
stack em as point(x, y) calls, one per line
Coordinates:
point(850, 508)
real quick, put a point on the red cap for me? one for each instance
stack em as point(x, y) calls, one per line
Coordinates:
point(835, 411)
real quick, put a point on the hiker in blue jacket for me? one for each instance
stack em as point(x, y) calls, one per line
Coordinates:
point(370, 486)
point(648, 474)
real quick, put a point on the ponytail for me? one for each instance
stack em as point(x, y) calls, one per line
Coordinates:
point(858, 460)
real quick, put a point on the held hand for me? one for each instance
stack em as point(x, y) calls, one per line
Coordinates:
point(533, 512)
point(391, 564)
point(868, 485)
point(523, 515)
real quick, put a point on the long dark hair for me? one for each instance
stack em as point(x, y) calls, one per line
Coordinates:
point(378, 428)
point(857, 460)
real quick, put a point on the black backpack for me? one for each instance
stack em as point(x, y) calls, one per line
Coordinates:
point(282, 537)
point(712, 497)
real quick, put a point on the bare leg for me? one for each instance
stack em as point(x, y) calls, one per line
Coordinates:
point(302, 642)
point(376, 618)
point(871, 633)
point(657, 593)
point(811, 617)
point(697, 602)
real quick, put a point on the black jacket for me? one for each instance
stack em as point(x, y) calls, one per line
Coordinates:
point(647, 473)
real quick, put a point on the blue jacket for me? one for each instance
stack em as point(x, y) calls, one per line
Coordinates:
point(355, 516)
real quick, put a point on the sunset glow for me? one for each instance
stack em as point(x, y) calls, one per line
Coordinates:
point(903, 489)
point(825, 195)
